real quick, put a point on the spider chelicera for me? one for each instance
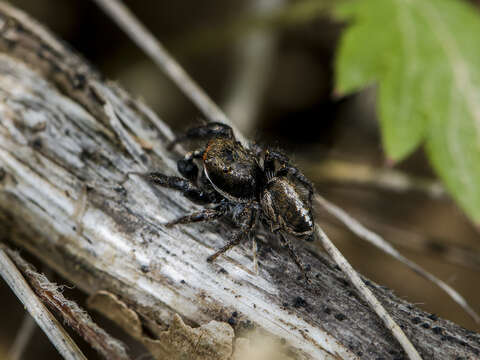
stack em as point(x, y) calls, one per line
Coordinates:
point(249, 185)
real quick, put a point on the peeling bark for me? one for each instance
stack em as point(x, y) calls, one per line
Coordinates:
point(68, 139)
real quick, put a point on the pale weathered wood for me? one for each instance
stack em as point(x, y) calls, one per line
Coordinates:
point(67, 140)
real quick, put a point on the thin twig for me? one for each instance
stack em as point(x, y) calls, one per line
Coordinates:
point(23, 337)
point(367, 294)
point(71, 313)
point(47, 322)
point(375, 239)
point(440, 247)
point(151, 46)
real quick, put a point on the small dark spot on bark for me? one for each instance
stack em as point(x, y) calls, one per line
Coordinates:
point(285, 304)
point(416, 320)
point(437, 330)
point(299, 302)
point(340, 317)
point(369, 283)
point(182, 281)
point(343, 282)
point(232, 321)
point(308, 267)
point(433, 317)
point(235, 314)
point(120, 189)
point(299, 277)
point(327, 311)
point(426, 325)
point(145, 268)
point(359, 353)
point(37, 143)
point(144, 158)
point(351, 293)
point(223, 271)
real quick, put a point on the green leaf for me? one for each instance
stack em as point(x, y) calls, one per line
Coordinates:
point(424, 57)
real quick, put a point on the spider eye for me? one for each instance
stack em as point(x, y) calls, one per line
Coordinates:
point(187, 168)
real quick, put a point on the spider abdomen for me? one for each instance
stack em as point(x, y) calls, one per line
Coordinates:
point(287, 207)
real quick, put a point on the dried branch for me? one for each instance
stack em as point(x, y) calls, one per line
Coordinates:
point(129, 24)
point(152, 47)
point(66, 144)
point(47, 322)
point(367, 295)
point(70, 312)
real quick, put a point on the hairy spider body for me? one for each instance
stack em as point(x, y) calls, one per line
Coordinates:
point(246, 184)
point(286, 208)
point(232, 170)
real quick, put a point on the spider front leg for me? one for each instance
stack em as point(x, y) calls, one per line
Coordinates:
point(206, 131)
point(188, 189)
point(187, 167)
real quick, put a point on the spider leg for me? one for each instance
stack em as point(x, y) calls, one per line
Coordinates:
point(247, 220)
point(206, 131)
point(202, 215)
point(188, 189)
point(234, 241)
point(293, 254)
point(254, 251)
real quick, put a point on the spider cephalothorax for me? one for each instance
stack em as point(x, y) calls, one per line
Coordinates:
point(247, 184)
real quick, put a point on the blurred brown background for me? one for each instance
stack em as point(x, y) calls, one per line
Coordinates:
point(290, 101)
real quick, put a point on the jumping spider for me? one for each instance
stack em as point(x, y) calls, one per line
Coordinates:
point(247, 184)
